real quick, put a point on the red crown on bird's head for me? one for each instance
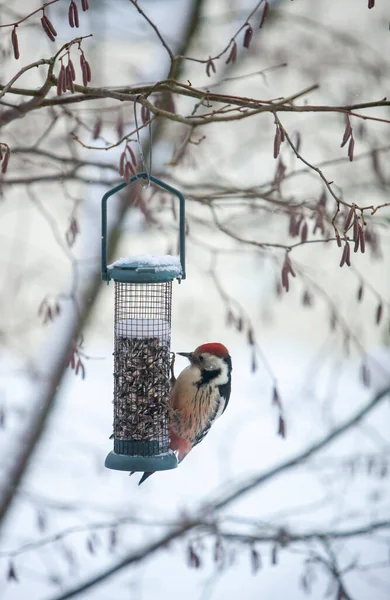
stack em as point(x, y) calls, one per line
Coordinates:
point(213, 348)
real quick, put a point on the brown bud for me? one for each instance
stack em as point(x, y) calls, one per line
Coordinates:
point(248, 36)
point(48, 30)
point(304, 231)
point(233, 54)
point(5, 162)
point(72, 362)
point(145, 114)
point(113, 539)
point(351, 147)
point(345, 254)
point(75, 13)
point(350, 216)
point(72, 69)
point(279, 173)
point(255, 561)
point(84, 70)
point(71, 14)
point(348, 256)
point(362, 240)
point(360, 293)
point(15, 43)
point(80, 368)
point(132, 155)
point(371, 3)
point(74, 225)
point(281, 429)
point(69, 79)
point(122, 164)
point(293, 228)
point(90, 542)
point(322, 199)
point(355, 228)
point(84, 5)
point(89, 72)
point(49, 314)
point(357, 239)
point(129, 171)
point(193, 558)
point(378, 315)
point(338, 239)
point(253, 363)
point(63, 79)
point(298, 142)
point(285, 282)
point(50, 26)
point(307, 298)
point(97, 128)
point(61, 75)
point(277, 142)
point(347, 132)
point(365, 375)
point(41, 521)
point(210, 67)
point(275, 398)
point(288, 265)
point(264, 15)
point(1, 153)
point(251, 337)
point(11, 573)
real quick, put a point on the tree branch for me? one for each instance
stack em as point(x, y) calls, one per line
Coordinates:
point(214, 506)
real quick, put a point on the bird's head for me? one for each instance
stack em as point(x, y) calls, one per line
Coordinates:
point(209, 357)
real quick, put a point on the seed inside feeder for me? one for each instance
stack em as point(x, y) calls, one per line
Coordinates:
point(141, 388)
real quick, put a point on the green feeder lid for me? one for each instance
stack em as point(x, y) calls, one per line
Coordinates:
point(146, 268)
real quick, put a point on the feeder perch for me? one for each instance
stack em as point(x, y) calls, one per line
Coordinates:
point(142, 334)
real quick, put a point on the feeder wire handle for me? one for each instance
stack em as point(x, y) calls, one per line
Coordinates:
point(182, 220)
point(141, 152)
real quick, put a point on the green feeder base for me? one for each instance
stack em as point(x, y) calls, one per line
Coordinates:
point(126, 462)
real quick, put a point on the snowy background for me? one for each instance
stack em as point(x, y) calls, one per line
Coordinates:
point(88, 516)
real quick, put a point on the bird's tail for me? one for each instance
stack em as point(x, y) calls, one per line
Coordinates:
point(144, 476)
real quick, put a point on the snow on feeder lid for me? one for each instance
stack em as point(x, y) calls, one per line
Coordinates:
point(142, 357)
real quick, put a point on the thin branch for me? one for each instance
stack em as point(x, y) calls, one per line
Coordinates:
point(65, 159)
point(157, 31)
point(301, 457)
point(241, 28)
point(42, 61)
point(148, 550)
point(311, 166)
point(41, 8)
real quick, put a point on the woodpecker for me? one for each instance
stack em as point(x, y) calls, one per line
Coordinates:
point(198, 397)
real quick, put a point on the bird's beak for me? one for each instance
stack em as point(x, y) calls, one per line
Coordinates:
point(188, 355)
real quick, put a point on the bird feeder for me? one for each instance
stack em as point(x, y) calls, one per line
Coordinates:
point(142, 357)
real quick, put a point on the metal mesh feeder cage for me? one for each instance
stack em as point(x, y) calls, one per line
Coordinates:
point(142, 341)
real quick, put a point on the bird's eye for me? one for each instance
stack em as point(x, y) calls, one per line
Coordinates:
point(201, 357)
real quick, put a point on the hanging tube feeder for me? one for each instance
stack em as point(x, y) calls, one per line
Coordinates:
point(142, 357)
